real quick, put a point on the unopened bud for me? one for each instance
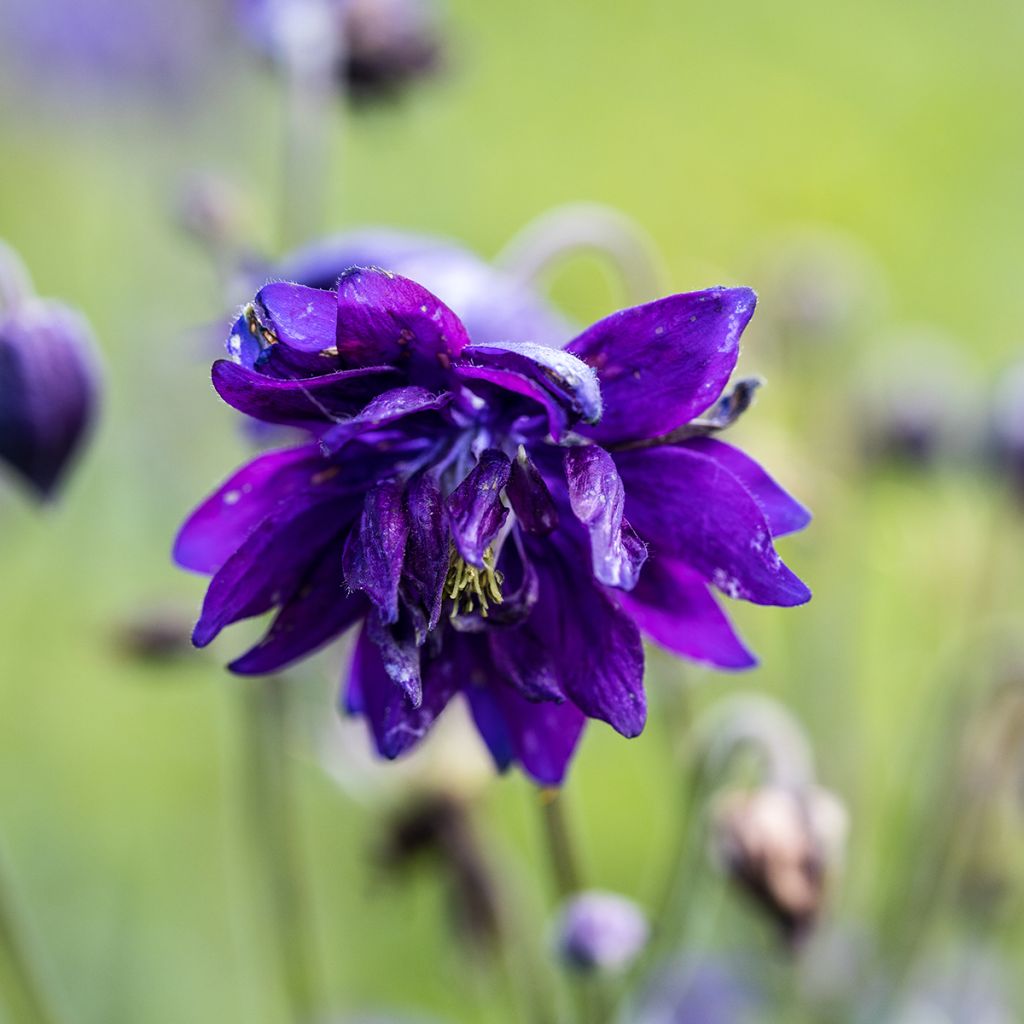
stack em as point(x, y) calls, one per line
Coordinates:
point(601, 932)
point(781, 845)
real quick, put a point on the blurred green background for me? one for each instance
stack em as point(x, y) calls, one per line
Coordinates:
point(726, 130)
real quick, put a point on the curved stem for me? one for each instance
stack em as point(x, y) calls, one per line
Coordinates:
point(561, 855)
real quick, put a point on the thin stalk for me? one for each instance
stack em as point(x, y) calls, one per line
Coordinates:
point(272, 825)
point(22, 988)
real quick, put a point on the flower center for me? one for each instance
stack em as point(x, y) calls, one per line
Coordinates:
point(467, 585)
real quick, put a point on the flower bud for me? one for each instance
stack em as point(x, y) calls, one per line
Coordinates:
point(600, 932)
point(1006, 426)
point(781, 845)
point(210, 209)
point(47, 383)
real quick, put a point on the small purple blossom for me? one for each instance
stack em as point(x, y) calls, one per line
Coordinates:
point(48, 381)
point(601, 931)
point(503, 518)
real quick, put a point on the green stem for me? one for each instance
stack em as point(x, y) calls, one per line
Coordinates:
point(273, 834)
point(561, 855)
point(22, 990)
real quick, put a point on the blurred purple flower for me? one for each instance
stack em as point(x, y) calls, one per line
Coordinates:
point(601, 931)
point(48, 381)
point(482, 508)
point(692, 991)
point(144, 44)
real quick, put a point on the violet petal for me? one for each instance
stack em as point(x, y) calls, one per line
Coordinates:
point(475, 509)
point(597, 498)
point(673, 606)
point(689, 507)
point(385, 409)
point(663, 363)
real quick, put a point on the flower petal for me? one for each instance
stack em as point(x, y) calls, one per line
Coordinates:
point(426, 555)
point(216, 529)
point(309, 402)
point(784, 513)
point(375, 549)
point(475, 509)
point(385, 318)
point(577, 641)
point(542, 737)
point(399, 653)
point(385, 409)
point(565, 385)
point(665, 362)
point(395, 724)
point(269, 566)
point(671, 603)
point(597, 498)
point(320, 610)
point(687, 506)
point(304, 319)
point(529, 496)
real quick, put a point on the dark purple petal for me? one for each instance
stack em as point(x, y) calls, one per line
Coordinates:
point(565, 385)
point(664, 363)
point(387, 408)
point(597, 498)
point(304, 319)
point(687, 506)
point(48, 391)
point(387, 319)
point(529, 496)
point(426, 555)
point(309, 402)
point(395, 724)
point(321, 609)
point(375, 550)
point(475, 509)
point(672, 605)
point(217, 528)
point(542, 737)
point(269, 566)
point(576, 641)
point(399, 652)
point(784, 513)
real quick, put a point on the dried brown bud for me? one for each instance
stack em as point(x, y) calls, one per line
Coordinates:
point(781, 845)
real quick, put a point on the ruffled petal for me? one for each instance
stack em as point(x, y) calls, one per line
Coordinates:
point(475, 509)
point(320, 610)
point(566, 387)
point(399, 652)
point(687, 506)
point(375, 550)
point(310, 402)
point(784, 513)
point(387, 319)
point(672, 605)
point(529, 496)
point(384, 410)
point(217, 528)
point(269, 566)
point(597, 498)
point(426, 555)
point(576, 642)
point(663, 363)
point(396, 725)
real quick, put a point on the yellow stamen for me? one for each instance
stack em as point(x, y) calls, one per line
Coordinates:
point(467, 586)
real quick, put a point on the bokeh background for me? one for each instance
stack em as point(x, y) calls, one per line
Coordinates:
point(859, 165)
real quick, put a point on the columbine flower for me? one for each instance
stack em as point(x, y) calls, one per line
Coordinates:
point(486, 511)
point(47, 381)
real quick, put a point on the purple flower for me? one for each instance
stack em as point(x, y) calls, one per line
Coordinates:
point(48, 380)
point(503, 519)
point(601, 931)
